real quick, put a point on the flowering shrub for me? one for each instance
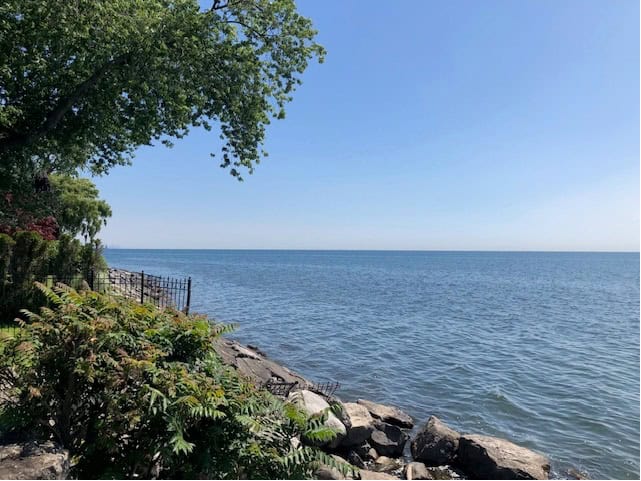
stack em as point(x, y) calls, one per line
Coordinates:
point(47, 227)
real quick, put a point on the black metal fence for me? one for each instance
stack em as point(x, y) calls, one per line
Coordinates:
point(160, 291)
point(142, 287)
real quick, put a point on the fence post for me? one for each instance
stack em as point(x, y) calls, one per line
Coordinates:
point(91, 274)
point(142, 287)
point(188, 295)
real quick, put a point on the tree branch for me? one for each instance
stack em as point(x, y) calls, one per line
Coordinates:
point(54, 117)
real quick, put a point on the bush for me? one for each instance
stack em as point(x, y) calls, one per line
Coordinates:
point(28, 257)
point(134, 391)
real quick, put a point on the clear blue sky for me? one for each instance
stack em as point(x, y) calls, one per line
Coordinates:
point(432, 125)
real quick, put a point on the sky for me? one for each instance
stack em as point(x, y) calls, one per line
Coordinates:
point(445, 125)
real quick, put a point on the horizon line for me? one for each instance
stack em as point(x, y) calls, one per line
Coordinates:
point(376, 250)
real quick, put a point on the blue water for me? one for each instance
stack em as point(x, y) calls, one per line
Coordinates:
point(539, 348)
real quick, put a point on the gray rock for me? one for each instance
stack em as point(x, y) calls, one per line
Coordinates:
point(367, 474)
point(385, 464)
point(388, 414)
point(312, 404)
point(486, 457)
point(254, 364)
point(388, 440)
point(417, 471)
point(366, 452)
point(359, 424)
point(328, 472)
point(435, 443)
point(33, 461)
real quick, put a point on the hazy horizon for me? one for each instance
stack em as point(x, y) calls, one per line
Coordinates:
point(365, 250)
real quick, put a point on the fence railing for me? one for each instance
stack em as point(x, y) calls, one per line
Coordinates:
point(140, 286)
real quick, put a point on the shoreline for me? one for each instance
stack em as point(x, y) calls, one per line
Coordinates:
point(383, 442)
point(407, 450)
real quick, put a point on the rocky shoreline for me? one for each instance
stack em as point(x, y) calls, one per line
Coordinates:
point(376, 440)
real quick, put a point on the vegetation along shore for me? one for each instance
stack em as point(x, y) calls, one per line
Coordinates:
point(138, 369)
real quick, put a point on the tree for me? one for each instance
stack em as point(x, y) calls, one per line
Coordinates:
point(83, 83)
point(65, 205)
point(80, 211)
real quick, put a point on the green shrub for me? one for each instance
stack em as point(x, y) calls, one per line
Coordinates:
point(134, 391)
point(27, 258)
point(6, 248)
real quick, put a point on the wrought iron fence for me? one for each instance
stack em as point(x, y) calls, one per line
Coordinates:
point(142, 287)
point(282, 388)
point(160, 291)
point(325, 389)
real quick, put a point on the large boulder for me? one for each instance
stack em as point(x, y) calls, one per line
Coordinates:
point(254, 364)
point(435, 443)
point(385, 464)
point(388, 414)
point(312, 404)
point(486, 457)
point(359, 424)
point(325, 471)
point(417, 471)
point(33, 461)
point(388, 440)
point(366, 474)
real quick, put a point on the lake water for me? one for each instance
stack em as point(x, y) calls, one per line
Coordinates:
point(539, 348)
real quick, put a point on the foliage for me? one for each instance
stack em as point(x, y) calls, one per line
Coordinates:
point(80, 211)
point(23, 206)
point(6, 249)
point(52, 205)
point(28, 257)
point(132, 390)
point(85, 82)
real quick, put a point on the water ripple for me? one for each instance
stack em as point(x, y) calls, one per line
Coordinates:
point(540, 348)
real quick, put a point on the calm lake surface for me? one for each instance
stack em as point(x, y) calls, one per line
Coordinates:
point(539, 348)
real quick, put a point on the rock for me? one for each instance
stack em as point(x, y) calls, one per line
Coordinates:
point(388, 414)
point(359, 423)
point(354, 459)
point(33, 461)
point(383, 463)
point(417, 471)
point(486, 457)
point(435, 443)
point(366, 452)
point(444, 472)
point(312, 404)
point(367, 474)
point(388, 440)
point(254, 364)
point(576, 474)
point(328, 472)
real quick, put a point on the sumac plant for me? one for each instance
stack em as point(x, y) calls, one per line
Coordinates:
point(135, 391)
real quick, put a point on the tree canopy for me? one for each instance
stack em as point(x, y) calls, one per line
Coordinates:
point(58, 204)
point(79, 211)
point(83, 83)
